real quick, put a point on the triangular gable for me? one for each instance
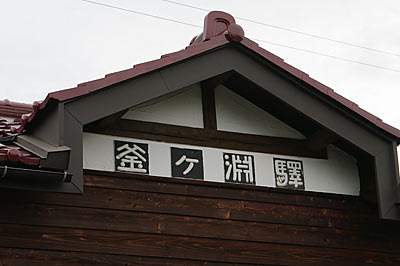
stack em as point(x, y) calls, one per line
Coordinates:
point(233, 113)
point(63, 116)
point(202, 44)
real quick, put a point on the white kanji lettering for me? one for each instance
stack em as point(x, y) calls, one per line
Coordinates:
point(281, 175)
point(294, 171)
point(188, 160)
point(132, 158)
point(241, 170)
point(229, 170)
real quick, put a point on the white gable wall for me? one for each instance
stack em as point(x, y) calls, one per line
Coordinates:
point(236, 114)
point(184, 109)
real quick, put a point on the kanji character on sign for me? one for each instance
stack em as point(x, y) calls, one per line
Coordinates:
point(188, 160)
point(239, 168)
point(295, 173)
point(289, 173)
point(131, 157)
point(187, 163)
point(280, 172)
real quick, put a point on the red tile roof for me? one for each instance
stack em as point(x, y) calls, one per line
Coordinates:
point(14, 109)
point(9, 151)
point(15, 154)
point(6, 127)
point(219, 29)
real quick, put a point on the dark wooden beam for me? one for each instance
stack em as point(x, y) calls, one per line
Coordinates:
point(208, 99)
point(209, 113)
point(205, 137)
point(320, 139)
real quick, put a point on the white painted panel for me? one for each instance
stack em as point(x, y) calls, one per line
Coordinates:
point(184, 109)
point(159, 153)
point(213, 165)
point(337, 174)
point(264, 170)
point(236, 114)
point(96, 152)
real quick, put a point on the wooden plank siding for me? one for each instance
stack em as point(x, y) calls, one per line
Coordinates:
point(124, 219)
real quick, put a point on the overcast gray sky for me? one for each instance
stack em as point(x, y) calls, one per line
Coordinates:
point(49, 45)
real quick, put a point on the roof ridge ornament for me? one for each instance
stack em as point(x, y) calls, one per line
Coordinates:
point(217, 23)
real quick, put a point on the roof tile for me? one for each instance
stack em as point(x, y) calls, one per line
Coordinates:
point(10, 151)
point(14, 109)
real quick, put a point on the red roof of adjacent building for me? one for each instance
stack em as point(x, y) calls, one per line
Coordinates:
point(13, 153)
point(14, 109)
point(8, 150)
point(213, 36)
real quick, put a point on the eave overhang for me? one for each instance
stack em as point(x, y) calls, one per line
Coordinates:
point(65, 113)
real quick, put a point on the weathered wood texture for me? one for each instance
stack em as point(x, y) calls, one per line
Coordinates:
point(125, 219)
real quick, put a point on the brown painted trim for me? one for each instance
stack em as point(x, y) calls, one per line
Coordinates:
point(204, 137)
point(208, 102)
point(208, 99)
point(55, 157)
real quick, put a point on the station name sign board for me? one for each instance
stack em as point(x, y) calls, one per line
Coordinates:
point(238, 167)
point(337, 174)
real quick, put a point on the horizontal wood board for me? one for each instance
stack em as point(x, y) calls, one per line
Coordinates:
point(142, 220)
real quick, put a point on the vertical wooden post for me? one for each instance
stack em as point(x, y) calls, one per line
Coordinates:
point(208, 101)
